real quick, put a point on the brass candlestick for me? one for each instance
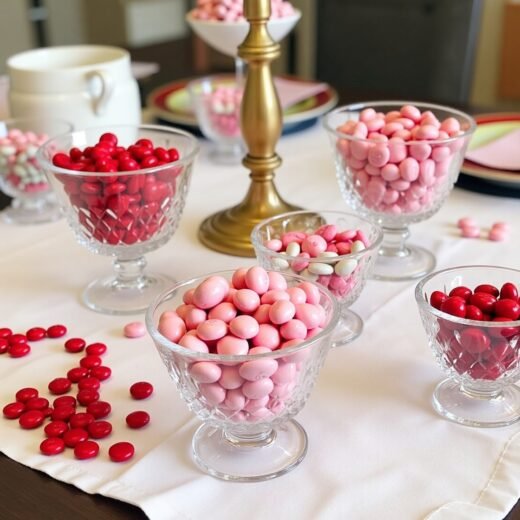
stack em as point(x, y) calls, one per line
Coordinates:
point(261, 122)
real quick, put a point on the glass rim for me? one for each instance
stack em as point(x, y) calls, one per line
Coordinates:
point(423, 301)
point(255, 235)
point(358, 106)
point(48, 165)
point(206, 356)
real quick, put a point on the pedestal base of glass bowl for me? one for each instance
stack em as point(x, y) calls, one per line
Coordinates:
point(129, 291)
point(226, 154)
point(349, 327)
point(399, 261)
point(32, 211)
point(483, 409)
point(249, 457)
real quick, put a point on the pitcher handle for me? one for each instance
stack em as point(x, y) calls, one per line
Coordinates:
point(101, 100)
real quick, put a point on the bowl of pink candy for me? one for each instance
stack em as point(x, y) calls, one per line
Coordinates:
point(335, 249)
point(123, 190)
point(222, 25)
point(244, 366)
point(216, 101)
point(471, 315)
point(21, 176)
point(396, 163)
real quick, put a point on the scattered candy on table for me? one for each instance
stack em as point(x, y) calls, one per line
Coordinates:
point(134, 329)
point(120, 209)
point(68, 426)
point(232, 10)
point(470, 229)
point(18, 161)
point(481, 351)
point(389, 175)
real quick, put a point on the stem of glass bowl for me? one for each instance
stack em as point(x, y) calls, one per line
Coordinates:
point(130, 273)
point(479, 393)
point(259, 439)
point(394, 240)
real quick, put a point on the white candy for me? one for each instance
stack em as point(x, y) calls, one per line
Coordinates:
point(345, 267)
point(20, 170)
point(7, 150)
point(329, 254)
point(21, 158)
point(357, 246)
point(310, 276)
point(320, 268)
point(293, 249)
point(280, 263)
point(31, 150)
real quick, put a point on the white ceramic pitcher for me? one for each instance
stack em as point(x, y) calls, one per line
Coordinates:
point(88, 85)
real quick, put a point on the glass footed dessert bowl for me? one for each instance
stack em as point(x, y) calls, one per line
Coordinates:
point(216, 101)
point(396, 164)
point(122, 190)
point(343, 248)
point(21, 176)
point(246, 396)
point(471, 315)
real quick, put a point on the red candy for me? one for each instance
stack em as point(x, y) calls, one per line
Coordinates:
point(5, 332)
point(63, 413)
point(99, 429)
point(75, 436)
point(37, 403)
point(60, 385)
point(86, 450)
point(64, 400)
point(13, 410)
point(102, 373)
point(24, 394)
point(99, 409)
point(89, 383)
point(19, 350)
point(454, 305)
point(17, 339)
point(121, 451)
point(56, 331)
point(76, 374)
point(55, 428)
point(4, 345)
point(36, 334)
point(31, 419)
point(141, 390)
point(137, 419)
point(85, 397)
point(52, 446)
point(90, 361)
point(74, 345)
point(96, 349)
point(80, 420)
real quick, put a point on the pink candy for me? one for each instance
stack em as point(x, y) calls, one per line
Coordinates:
point(395, 164)
point(469, 229)
point(232, 10)
point(259, 387)
point(18, 161)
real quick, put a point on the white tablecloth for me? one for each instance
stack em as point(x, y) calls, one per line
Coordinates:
point(376, 447)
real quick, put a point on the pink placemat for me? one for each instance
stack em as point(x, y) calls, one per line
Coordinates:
point(502, 153)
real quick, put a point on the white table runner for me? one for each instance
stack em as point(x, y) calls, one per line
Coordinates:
point(376, 447)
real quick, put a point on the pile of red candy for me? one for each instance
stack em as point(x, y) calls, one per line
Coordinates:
point(481, 351)
point(69, 426)
point(120, 209)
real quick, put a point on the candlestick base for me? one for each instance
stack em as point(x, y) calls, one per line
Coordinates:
point(229, 230)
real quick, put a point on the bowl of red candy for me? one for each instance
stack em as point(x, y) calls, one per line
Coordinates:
point(396, 163)
point(245, 367)
point(123, 190)
point(332, 248)
point(21, 176)
point(471, 315)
